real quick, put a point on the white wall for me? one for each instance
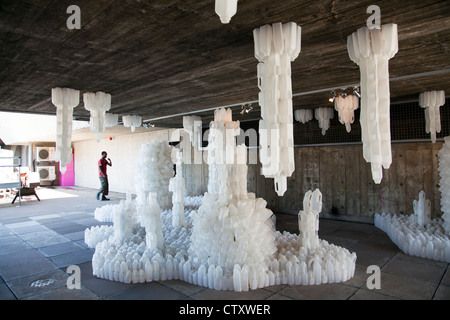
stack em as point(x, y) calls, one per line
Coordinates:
point(124, 153)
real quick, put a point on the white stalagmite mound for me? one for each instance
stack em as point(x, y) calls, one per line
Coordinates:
point(418, 234)
point(428, 241)
point(228, 240)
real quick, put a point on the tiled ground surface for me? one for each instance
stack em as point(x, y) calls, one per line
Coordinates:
point(39, 240)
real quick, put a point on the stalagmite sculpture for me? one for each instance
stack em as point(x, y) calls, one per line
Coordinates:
point(228, 241)
point(276, 46)
point(371, 49)
point(422, 210)
point(418, 234)
point(308, 220)
point(65, 100)
point(193, 126)
point(231, 227)
point(177, 187)
point(155, 171)
point(431, 101)
point(151, 220)
point(111, 120)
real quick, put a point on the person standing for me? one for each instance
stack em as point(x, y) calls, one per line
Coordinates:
point(103, 176)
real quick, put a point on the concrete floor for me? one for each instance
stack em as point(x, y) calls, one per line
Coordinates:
point(39, 240)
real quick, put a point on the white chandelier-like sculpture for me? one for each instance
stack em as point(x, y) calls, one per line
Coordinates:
point(65, 100)
point(303, 115)
point(371, 49)
point(324, 115)
point(226, 9)
point(276, 46)
point(132, 122)
point(97, 104)
point(111, 120)
point(431, 101)
point(346, 105)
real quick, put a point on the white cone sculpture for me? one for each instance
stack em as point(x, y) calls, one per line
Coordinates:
point(226, 9)
point(346, 106)
point(65, 100)
point(371, 49)
point(276, 47)
point(97, 104)
point(431, 101)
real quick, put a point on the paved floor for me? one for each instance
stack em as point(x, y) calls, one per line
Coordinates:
point(39, 240)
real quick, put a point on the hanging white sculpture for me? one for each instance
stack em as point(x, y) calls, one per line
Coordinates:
point(226, 9)
point(111, 120)
point(371, 49)
point(65, 100)
point(132, 122)
point(229, 243)
point(276, 47)
point(346, 105)
point(97, 104)
point(431, 101)
point(324, 115)
point(303, 115)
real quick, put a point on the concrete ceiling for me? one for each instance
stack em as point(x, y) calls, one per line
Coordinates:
point(162, 58)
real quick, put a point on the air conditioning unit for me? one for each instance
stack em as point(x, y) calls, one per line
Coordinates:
point(45, 154)
point(46, 173)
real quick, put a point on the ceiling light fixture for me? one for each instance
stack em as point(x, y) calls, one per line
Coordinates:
point(333, 96)
point(148, 125)
point(246, 108)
